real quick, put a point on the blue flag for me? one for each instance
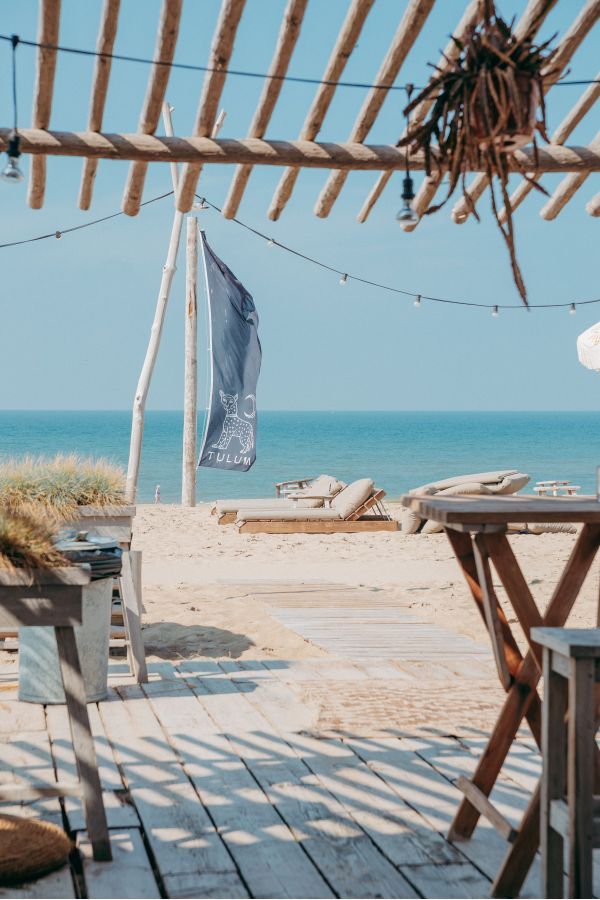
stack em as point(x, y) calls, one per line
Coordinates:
point(229, 440)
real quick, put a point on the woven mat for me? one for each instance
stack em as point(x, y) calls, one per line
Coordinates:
point(30, 848)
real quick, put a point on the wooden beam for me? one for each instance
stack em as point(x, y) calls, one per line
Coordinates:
point(214, 81)
point(48, 27)
point(593, 207)
point(166, 41)
point(345, 44)
point(408, 30)
point(104, 44)
point(568, 124)
point(566, 189)
point(288, 35)
point(586, 19)
point(471, 15)
point(252, 151)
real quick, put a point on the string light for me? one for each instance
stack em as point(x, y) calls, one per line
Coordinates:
point(418, 298)
point(572, 309)
point(270, 242)
point(344, 279)
point(12, 173)
point(407, 215)
point(495, 312)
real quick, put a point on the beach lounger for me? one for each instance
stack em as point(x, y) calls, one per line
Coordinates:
point(358, 507)
point(318, 493)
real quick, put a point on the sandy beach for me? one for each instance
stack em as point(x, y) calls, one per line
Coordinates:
point(204, 584)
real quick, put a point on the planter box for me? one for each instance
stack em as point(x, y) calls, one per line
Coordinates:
point(109, 521)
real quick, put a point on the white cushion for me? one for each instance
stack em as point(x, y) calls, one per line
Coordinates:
point(286, 515)
point(347, 501)
point(324, 484)
point(469, 487)
point(551, 528)
point(410, 522)
point(229, 506)
point(481, 478)
point(510, 484)
point(431, 527)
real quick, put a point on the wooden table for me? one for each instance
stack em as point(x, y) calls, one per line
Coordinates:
point(476, 528)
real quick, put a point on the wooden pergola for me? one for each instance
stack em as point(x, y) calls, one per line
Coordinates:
point(200, 148)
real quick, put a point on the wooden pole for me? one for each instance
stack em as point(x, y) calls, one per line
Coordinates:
point(141, 394)
point(190, 396)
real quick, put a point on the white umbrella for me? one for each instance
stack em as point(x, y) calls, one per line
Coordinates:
point(588, 348)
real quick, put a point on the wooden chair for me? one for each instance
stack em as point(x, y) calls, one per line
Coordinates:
point(569, 808)
point(54, 597)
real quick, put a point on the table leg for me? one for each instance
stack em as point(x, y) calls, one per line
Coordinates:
point(520, 855)
point(83, 742)
point(580, 779)
point(522, 698)
point(491, 608)
point(553, 777)
point(131, 614)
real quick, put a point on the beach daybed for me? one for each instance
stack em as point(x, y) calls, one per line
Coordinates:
point(358, 507)
point(316, 493)
point(506, 481)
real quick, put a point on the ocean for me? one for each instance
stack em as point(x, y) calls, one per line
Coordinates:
point(399, 450)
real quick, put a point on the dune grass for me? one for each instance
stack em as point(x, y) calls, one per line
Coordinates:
point(60, 484)
point(27, 541)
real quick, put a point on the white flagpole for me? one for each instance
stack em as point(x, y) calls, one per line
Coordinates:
point(210, 340)
point(141, 394)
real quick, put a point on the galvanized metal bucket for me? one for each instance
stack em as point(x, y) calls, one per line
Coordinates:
point(39, 672)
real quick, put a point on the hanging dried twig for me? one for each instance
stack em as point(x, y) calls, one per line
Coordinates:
point(485, 105)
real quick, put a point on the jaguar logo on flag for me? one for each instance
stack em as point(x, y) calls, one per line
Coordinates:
point(234, 426)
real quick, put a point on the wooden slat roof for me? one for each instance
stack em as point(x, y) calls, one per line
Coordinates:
point(261, 148)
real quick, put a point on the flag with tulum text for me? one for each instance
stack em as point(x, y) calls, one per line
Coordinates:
point(229, 440)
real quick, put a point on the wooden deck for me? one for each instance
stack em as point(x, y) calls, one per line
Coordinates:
point(276, 778)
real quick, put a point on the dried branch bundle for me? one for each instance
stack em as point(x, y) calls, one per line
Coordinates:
point(27, 541)
point(485, 105)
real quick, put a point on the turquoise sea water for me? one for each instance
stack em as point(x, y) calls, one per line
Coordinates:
point(399, 450)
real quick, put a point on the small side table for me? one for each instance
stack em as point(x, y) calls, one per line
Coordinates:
point(54, 597)
point(571, 671)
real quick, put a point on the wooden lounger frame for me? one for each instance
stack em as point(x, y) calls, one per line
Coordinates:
point(357, 522)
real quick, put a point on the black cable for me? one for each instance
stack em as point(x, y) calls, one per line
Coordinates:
point(14, 42)
point(387, 287)
point(316, 262)
point(60, 232)
point(295, 79)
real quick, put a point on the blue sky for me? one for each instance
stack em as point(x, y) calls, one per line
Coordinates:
point(76, 312)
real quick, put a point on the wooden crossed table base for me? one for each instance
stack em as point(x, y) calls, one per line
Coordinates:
point(476, 529)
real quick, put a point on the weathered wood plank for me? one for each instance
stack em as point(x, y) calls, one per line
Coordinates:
point(177, 826)
point(129, 875)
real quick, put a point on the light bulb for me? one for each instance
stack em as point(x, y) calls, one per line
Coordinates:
point(57, 235)
point(270, 242)
point(407, 215)
point(200, 205)
point(344, 279)
point(418, 301)
point(12, 172)
point(572, 309)
point(495, 312)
